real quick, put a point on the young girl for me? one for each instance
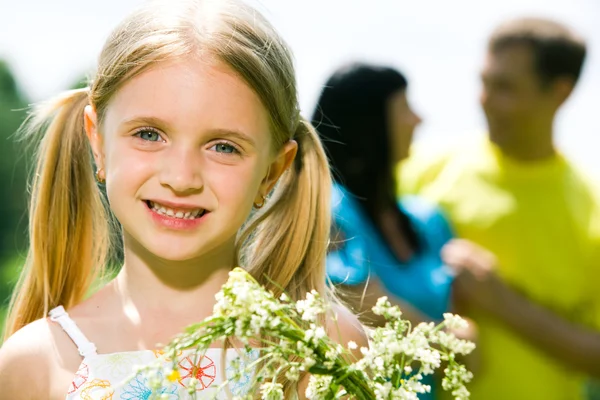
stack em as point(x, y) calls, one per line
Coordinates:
point(193, 121)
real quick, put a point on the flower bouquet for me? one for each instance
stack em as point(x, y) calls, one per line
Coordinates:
point(289, 339)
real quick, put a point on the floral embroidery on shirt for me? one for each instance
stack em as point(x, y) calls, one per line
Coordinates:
point(139, 389)
point(240, 385)
point(161, 353)
point(81, 377)
point(204, 370)
point(117, 365)
point(96, 388)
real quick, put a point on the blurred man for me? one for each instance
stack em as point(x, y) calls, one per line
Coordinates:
point(535, 294)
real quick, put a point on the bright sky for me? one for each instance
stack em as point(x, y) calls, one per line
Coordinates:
point(438, 44)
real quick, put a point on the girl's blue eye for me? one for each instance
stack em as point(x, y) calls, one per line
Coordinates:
point(148, 135)
point(225, 148)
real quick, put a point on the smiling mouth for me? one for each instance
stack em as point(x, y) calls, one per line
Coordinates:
point(175, 213)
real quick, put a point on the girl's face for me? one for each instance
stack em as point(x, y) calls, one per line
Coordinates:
point(186, 151)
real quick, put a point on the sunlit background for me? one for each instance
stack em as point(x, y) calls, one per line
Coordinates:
point(438, 44)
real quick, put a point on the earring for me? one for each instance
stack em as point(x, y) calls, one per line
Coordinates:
point(259, 206)
point(99, 178)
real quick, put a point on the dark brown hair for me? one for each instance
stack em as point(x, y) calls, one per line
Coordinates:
point(557, 50)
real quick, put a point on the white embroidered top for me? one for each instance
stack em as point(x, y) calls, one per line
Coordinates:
point(105, 376)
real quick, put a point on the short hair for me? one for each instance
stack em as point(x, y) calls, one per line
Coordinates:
point(557, 50)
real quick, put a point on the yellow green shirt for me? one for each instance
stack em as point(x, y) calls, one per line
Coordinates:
point(542, 220)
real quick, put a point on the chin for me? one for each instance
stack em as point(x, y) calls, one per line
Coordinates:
point(164, 250)
point(175, 255)
point(496, 135)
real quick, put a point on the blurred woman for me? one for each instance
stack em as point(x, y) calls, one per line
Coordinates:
point(380, 246)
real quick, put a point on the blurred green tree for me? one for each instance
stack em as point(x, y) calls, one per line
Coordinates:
point(13, 176)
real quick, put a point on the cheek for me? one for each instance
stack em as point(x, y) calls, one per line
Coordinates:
point(235, 185)
point(504, 102)
point(126, 171)
point(402, 128)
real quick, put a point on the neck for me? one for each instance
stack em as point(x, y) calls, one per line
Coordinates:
point(149, 285)
point(533, 144)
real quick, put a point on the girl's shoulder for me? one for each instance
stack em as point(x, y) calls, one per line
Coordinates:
point(35, 362)
point(346, 327)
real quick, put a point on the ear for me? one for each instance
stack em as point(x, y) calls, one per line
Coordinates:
point(562, 88)
point(278, 166)
point(90, 122)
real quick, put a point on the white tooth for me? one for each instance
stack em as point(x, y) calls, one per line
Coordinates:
point(179, 214)
point(170, 213)
point(162, 210)
point(187, 214)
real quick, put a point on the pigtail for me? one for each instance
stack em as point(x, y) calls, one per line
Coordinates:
point(68, 226)
point(291, 235)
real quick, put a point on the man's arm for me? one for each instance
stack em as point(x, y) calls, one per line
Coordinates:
point(476, 283)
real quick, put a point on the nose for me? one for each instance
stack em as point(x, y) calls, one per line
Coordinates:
point(417, 119)
point(181, 170)
point(484, 98)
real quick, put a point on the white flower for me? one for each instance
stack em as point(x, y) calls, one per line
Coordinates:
point(416, 386)
point(384, 307)
point(275, 322)
point(461, 393)
point(392, 367)
point(308, 362)
point(382, 390)
point(454, 322)
point(271, 391)
point(431, 360)
point(454, 345)
point(318, 386)
point(403, 394)
point(293, 374)
point(320, 333)
point(311, 307)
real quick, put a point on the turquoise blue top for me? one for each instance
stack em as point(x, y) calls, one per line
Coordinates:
point(423, 281)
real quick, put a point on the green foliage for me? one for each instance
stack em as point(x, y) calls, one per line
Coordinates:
point(9, 273)
point(593, 390)
point(80, 83)
point(13, 168)
point(14, 162)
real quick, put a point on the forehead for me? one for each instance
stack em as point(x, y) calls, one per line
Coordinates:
point(514, 60)
point(190, 94)
point(398, 98)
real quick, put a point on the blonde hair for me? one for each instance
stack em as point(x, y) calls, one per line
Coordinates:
point(284, 245)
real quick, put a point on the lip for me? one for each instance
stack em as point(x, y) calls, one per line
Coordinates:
point(174, 205)
point(179, 224)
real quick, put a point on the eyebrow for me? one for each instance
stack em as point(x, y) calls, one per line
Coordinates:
point(228, 133)
point(152, 121)
point(163, 125)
